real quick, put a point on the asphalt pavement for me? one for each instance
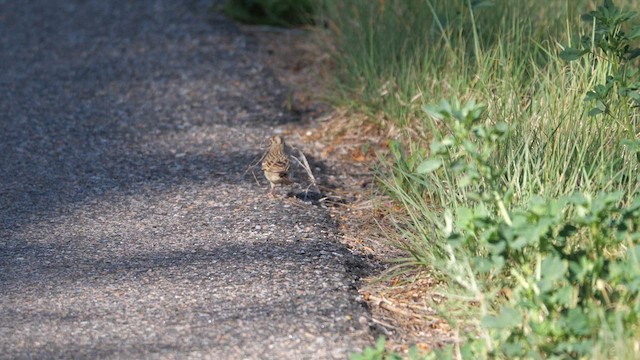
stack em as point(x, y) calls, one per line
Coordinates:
point(129, 225)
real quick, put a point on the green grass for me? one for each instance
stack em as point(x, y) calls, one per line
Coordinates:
point(393, 57)
point(397, 56)
point(283, 13)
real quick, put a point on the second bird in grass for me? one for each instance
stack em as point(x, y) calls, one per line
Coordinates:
point(276, 164)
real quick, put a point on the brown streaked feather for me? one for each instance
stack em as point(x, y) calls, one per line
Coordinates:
point(276, 163)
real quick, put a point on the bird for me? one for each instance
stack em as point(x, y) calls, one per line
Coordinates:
point(275, 164)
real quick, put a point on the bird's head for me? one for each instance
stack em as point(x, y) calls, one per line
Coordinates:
point(276, 140)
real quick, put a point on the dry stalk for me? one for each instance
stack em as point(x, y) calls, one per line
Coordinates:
point(305, 165)
point(384, 326)
point(421, 313)
point(252, 166)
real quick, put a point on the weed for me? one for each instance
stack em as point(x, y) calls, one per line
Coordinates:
point(380, 353)
point(284, 13)
point(610, 53)
point(570, 265)
point(527, 201)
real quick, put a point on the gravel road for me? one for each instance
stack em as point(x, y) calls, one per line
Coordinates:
point(128, 226)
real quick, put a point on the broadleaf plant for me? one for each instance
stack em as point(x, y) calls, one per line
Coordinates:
point(568, 266)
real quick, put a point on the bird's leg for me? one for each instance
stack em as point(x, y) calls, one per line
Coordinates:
point(273, 186)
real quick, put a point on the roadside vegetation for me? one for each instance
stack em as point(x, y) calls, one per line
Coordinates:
point(283, 13)
point(514, 164)
point(517, 167)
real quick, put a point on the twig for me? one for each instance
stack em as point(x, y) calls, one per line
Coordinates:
point(305, 165)
point(384, 326)
point(255, 178)
point(389, 306)
point(457, 343)
point(254, 164)
point(363, 205)
point(251, 166)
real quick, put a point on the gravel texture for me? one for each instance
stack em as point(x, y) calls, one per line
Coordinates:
point(129, 227)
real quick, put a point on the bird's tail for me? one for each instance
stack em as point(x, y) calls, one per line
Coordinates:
point(285, 180)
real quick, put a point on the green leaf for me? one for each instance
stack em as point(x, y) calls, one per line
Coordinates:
point(632, 145)
point(370, 353)
point(519, 242)
point(595, 111)
point(456, 240)
point(497, 248)
point(396, 149)
point(571, 54)
point(513, 350)
point(508, 318)
point(433, 111)
point(429, 166)
point(564, 296)
point(470, 147)
point(581, 267)
point(464, 218)
point(440, 147)
point(482, 264)
point(480, 131)
point(475, 4)
point(578, 198)
point(633, 254)
point(445, 107)
point(591, 95)
point(602, 90)
point(580, 348)
point(633, 94)
point(632, 54)
point(469, 178)
point(588, 17)
point(578, 322)
point(502, 128)
point(634, 33)
point(552, 269)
